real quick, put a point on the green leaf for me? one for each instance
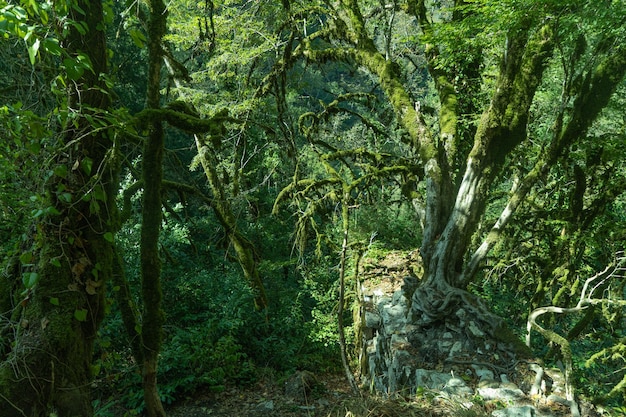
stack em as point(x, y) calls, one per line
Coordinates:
point(32, 51)
point(81, 314)
point(52, 211)
point(60, 171)
point(108, 236)
point(29, 279)
point(99, 193)
point(65, 197)
point(51, 46)
point(55, 262)
point(26, 258)
point(138, 37)
point(54, 301)
point(86, 164)
point(73, 69)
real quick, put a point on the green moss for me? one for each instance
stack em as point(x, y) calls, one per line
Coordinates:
point(504, 334)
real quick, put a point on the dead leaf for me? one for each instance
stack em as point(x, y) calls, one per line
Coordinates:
point(92, 286)
point(78, 270)
point(44, 323)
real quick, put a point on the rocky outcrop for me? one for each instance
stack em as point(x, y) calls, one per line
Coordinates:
point(452, 358)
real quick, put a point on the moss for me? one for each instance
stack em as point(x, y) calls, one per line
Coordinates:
point(505, 335)
point(184, 121)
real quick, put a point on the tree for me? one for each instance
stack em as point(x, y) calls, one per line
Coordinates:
point(152, 176)
point(58, 291)
point(481, 122)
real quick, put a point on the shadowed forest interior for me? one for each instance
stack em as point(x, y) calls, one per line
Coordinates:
point(312, 208)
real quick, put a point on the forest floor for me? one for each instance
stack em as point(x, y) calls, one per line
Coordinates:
point(265, 398)
point(331, 398)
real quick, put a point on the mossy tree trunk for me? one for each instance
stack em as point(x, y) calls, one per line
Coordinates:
point(48, 369)
point(152, 175)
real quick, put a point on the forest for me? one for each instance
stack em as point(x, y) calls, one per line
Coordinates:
point(208, 197)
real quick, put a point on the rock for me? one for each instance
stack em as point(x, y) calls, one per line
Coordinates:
point(372, 320)
point(266, 405)
point(500, 393)
point(300, 385)
point(522, 411)
point(431, 379)
point(457, 387)
point(474, 330)
point(456, 348)
point(483, 374)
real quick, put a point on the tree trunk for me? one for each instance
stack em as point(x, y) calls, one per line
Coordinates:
point(49, 367)
point(152, 175)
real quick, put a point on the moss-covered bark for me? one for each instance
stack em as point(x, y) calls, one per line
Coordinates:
point(48, 369)
point(152, 177)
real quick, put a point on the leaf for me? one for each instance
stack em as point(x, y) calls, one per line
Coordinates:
point(108, 236)
point(32, 51)
point(78, 269)
point(55, 262)
point(65, 197)
point(52, 46)
point(138, 37)
point(60, 171)
point(91, 287)
point(86, 164)
point(54, 301)
point(73, 69)
point(99, 193)
point(26, 258)
point(29, 279)
point(81, 314)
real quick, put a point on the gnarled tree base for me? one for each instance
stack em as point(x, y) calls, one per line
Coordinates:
point(433, 331)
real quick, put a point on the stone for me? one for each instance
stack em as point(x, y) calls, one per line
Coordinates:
point(431, 379)
point(266, 405)
point(500, 393)
point(393, 318)
point(474, 330)
point(483, 374)
point(372, 320)
point(300, 385)
point(456, 348)
point(457, 387)
point(521, 411)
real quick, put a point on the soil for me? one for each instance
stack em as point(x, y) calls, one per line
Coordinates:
point(266, 398)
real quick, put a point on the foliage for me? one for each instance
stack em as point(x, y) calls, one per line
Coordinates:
point(327, 110)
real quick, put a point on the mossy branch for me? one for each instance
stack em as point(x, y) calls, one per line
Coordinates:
point(185, 121)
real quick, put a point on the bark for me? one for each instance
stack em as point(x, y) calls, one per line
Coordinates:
point(152, 176)
point(48, 369)
point(502, 127)
point(345, 220)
